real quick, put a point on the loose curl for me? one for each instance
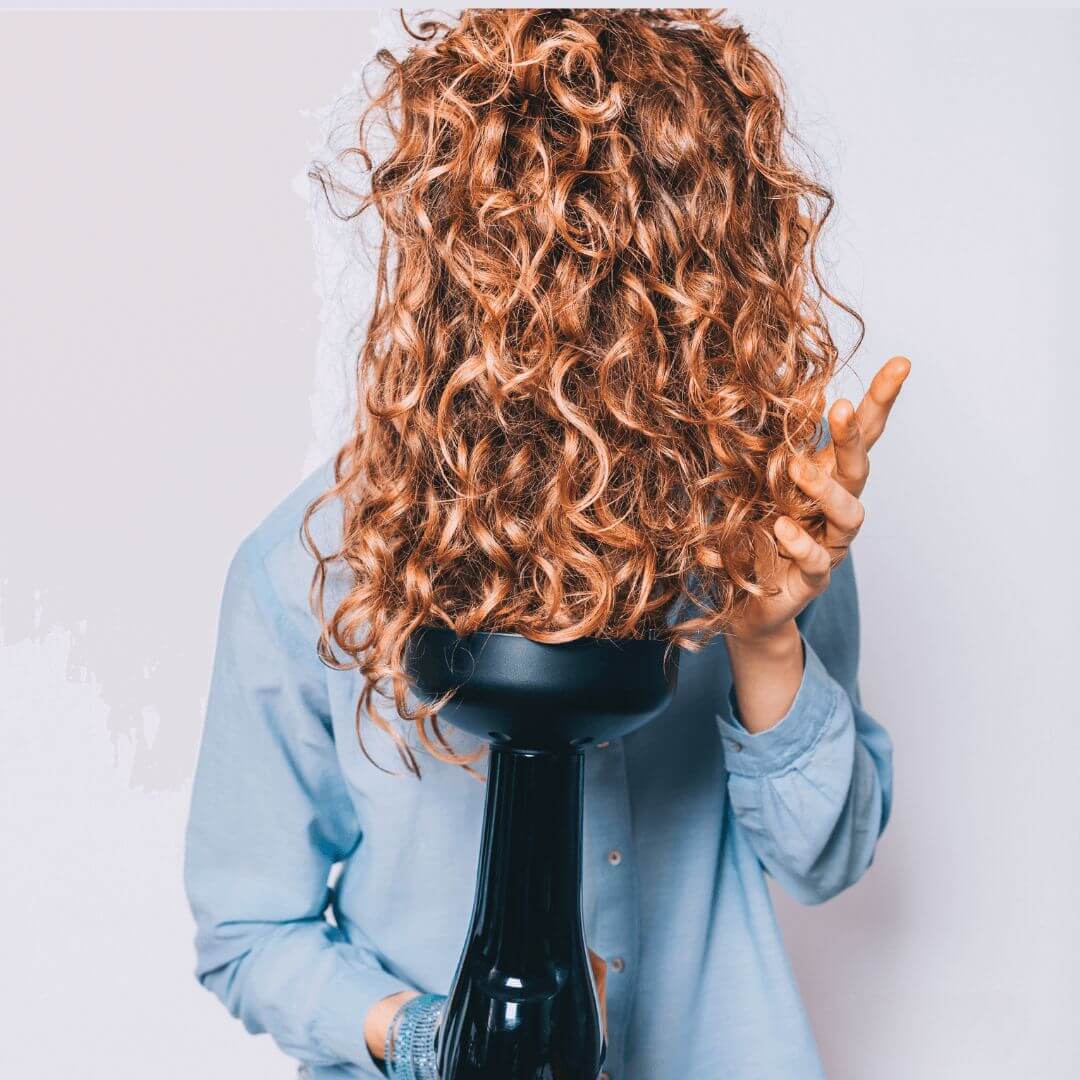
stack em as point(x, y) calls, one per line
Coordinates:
point(600, 342)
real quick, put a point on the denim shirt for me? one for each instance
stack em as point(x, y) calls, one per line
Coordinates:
point(320, 884)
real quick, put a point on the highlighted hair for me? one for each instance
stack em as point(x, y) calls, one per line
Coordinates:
point(597, 339)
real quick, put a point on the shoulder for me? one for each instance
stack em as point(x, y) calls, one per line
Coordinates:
point(274, 566)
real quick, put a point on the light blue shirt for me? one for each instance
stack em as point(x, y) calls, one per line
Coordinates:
point(321, 884)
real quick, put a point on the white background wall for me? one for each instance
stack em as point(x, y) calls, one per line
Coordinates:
point(168, 372)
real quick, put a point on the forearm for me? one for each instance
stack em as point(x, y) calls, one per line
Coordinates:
point(813, 809)
point(766, 672)
point(811, 790)
point(300, 983)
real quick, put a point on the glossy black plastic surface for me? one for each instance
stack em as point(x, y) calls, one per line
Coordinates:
point(534, 696)
point(523, 1004)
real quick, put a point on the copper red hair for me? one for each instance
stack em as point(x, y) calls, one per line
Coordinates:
point(597, 338)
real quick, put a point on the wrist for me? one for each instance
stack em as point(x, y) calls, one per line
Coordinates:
point(412, 1039)
point(766, 673)
point(779, 645)
point(379, 1018)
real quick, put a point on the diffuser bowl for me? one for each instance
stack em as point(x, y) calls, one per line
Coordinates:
point(511, 690)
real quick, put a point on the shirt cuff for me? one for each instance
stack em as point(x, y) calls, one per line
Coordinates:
point(794, 735)
point(345, 1003)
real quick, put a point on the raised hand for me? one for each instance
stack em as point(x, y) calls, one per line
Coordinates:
point(763, 643)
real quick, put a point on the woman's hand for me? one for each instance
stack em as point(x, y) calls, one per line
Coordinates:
point(764, 645)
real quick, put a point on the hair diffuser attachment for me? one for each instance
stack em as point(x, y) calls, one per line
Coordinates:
point(530, 696)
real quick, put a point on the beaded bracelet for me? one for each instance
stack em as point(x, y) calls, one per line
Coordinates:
point(411, 1039)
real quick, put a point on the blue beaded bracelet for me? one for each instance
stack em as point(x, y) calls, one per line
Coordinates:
point(411, 1039)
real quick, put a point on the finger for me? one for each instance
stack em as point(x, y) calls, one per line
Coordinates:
point(852, 463)
point(874, 408)
point(843, 511)
point(809, 557)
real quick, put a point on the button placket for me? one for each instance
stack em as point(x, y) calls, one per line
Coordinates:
point(615, 903)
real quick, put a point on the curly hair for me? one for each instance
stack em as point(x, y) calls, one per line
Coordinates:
point(597, 338)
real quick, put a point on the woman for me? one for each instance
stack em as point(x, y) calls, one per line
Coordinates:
point(591, 403)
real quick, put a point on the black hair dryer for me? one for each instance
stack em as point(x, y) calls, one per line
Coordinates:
point(523, 1005)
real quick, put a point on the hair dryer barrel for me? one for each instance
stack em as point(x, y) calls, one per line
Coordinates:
point(523, 1003)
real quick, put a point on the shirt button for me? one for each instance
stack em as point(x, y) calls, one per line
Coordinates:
point(733, 745)
point(614, 856)
point(617, 963)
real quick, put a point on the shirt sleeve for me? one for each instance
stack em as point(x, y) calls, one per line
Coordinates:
point(813, 793)
point(270, 815)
